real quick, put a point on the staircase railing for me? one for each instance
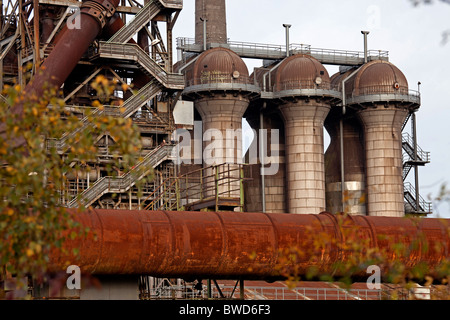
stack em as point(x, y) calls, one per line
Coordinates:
point(144, 16)
point(410, 196)
point(123, 183)
point(408, 146)
point(130, 106)
point(135, 53)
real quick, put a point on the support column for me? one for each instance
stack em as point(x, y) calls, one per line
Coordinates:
point(222, 133)
point(383, 142)
point(304, 156)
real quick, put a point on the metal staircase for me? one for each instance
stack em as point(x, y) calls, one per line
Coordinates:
point(410, 157)
point(134, 53)
point(411, 205)
point(143, 17)
point(413, 156)
point(123, 183)
point(130, 106)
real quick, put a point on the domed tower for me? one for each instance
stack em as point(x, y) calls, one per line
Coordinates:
point(219, 85)
point(352, 198)
point(303, 85)
point(381, 96)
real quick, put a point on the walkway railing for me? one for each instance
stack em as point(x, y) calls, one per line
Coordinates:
point(214, 185)
point(425, 207)
point(123, 183)
point(133, 52)
point(275, 52)
point(143, 17)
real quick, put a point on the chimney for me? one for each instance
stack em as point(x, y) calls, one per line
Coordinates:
point(213, 14)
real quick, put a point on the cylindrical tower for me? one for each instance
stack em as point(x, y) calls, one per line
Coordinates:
point(303, 86)
point(210, 15)
point(219, 85)
point(380, 93)
point(351, 199)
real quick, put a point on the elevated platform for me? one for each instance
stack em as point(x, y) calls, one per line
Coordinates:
point(278, 52)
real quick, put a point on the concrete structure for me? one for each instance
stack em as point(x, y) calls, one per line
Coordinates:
point(346, 133)
point(210, 16)
point(361, 173)
point(220, 89)
point(380, 90)
point(304, 84)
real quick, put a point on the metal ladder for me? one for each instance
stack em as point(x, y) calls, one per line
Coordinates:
point(123, 183)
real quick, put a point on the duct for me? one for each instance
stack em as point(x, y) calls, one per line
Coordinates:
point(69, 49)
point(230, 245)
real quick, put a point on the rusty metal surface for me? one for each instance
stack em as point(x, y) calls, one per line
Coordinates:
point(219, 65)
point(380, 76)
point(300, 72)
point(232, 245)
point(67, 52)
point(69, 48)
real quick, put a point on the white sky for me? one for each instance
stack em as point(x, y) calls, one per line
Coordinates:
point(412, 35)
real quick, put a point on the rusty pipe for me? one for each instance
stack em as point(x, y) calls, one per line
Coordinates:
point(69, 49)
point(72, 45)
point(230, 245)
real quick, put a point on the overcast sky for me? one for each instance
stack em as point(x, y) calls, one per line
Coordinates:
point(412, 35)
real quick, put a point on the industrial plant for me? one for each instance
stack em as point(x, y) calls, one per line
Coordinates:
point(212, 221)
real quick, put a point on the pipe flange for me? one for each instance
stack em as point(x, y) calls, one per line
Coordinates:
point(101, 10)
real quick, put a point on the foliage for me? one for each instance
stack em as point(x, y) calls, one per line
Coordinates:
point(33, 174)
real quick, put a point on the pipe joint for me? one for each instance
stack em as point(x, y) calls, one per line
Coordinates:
point(101, 10)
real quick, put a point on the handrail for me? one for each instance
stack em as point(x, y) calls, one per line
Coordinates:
point(131, 51)
point(213, 182)
point(411, 191)
point(249, 49)
point(408, 146)
point(142, 17)
point(123, 183)
point(130, 106)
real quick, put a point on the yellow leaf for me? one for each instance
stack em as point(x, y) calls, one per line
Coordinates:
point(29, 252)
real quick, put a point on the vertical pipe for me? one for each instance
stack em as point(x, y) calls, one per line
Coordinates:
point(37, 53)
point(204, 33)
point(365, 33)
point(416, 168)
point(169, 44)
point(287, 26)
point(341, 148)
point(262, 160)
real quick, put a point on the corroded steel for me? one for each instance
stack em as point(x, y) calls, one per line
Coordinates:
point(69, 49)
point(236, 245)
point(380, 77)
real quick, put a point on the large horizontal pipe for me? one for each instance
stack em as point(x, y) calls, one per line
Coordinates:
point(230, 245)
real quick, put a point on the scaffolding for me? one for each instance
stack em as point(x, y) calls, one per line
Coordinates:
point(138, 49)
